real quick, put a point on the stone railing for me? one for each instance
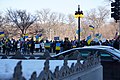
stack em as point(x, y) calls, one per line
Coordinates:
point(90, 69)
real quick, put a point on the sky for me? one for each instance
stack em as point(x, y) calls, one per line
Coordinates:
point(60, 6)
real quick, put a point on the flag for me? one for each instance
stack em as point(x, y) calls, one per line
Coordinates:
point(25, 35)
point(89, 39)
point(37, 37)
point(91, 27)
point(81, 30)
point(98, 35)
point(40, 35)
point(2, 34)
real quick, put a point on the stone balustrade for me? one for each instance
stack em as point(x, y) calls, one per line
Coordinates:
point(90, 69)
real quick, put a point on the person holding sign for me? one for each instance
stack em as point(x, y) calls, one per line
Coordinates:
point(32, 46)
point(37, 46)
point(42, 46)
point(47, 45)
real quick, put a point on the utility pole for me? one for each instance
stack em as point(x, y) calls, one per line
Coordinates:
point(79, 14)
point(78, 25)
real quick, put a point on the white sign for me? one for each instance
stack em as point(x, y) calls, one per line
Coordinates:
point(103, 40)
point(37, 45)
point(96, 40)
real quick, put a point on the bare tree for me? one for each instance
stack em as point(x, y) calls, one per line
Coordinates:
point(21, 19)
point(71, 20)
point(46, 20)
point(97, 18)
point(2, 22)
point(71, 24)
point(85, 28)
point(4, 25)
point(61, 19)
point(50, 21)
point(36, 28)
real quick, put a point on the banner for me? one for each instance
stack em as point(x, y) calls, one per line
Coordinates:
point(89, 39)
point(25, 36)
point(56, 38)
point(57, 46)
point(2, 34)
point(47, 45)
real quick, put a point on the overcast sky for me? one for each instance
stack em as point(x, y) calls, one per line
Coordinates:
point(61, 6)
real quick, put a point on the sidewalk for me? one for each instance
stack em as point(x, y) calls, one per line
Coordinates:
point(35, 53)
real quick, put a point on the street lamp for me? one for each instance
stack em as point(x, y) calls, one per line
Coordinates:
point(79, 14)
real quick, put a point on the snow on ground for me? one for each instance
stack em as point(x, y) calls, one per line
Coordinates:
point(28, 67)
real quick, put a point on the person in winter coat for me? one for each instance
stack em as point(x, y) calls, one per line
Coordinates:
point(116, 43)
point(67, 44)
point(32, 46)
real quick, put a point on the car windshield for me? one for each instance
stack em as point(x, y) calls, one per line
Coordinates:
point(114, 51)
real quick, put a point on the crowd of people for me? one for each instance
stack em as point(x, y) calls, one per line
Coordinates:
point(29, 46)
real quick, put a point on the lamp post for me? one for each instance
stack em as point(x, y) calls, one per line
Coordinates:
point(79, 14)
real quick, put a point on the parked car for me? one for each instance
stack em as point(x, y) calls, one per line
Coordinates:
point(110, 58)
point(106, 53)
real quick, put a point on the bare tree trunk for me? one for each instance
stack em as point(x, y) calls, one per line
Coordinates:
point(21, 19)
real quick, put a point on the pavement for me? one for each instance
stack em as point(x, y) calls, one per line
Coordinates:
point(35, 54)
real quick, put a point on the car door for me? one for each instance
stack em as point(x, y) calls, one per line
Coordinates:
point(111, 67)
point(86, 52)
point(71, 55)
point(105, 56)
